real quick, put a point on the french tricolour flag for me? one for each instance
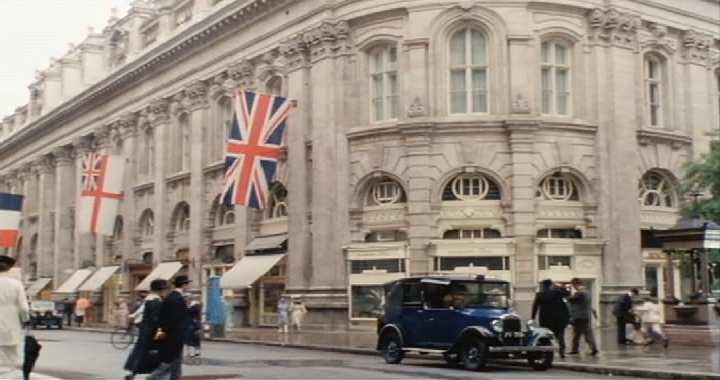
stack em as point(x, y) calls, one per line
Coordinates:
point(10, 215)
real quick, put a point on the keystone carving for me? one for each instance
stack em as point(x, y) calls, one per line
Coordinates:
point(696, 47)
point(416, 109)
point(614, 27)
point(658, 38)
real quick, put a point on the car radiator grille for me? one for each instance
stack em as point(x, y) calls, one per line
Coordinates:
point(511, 325)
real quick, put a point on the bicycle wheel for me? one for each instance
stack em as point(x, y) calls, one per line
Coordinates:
point(121, 339)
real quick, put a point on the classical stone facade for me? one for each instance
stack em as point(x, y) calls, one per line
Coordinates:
point(520, 139)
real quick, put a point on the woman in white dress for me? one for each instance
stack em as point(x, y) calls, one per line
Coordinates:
point(14, 312)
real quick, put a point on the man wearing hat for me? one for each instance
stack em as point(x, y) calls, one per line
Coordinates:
point(173, 319)
point(14, 312)
point(147, 317)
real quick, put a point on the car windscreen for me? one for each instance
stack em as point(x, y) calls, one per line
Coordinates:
point(42, 305)
point(480, 294)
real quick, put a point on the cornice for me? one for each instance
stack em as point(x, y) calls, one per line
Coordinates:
point(673, 138)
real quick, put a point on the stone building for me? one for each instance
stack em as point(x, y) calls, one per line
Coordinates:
point(519, 139)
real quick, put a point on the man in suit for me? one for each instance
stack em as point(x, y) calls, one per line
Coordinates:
point(581, 314)
point(554, 313)
point(173, 320)
point(623, 312)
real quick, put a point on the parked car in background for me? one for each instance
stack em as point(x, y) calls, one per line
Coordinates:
point(45, 313)
point(466, 320)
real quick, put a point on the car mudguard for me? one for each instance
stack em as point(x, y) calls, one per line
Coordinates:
point(540, 333)
point(471, 331)
point(387, 329)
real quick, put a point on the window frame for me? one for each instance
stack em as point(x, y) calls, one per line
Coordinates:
point(468, 68)
point(664, 191)
point(553, 66)
point(390, 68)
point(659, 83)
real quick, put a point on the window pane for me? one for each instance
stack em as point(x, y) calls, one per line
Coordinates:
point(561, 78)
point(545, 52)
point(560, 55)
point(479, 90)
point(477, 47)
point(367, 301)
point(457, 91)
point(376, 63)
point(392, 55)
point(378, 96)
point(457, 49)
point(547, 92)
point(392, 96)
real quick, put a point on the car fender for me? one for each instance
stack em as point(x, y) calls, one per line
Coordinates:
point(387, 329)
point(471, 331)
point(541, 333)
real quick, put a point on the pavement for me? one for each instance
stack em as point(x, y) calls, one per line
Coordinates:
point(676, 362)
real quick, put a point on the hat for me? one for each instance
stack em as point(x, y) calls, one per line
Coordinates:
point(181, 280)
point(9, 261)
point(159, 284)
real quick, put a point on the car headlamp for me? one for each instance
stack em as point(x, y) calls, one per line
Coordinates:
point(531, 324)
point(497, 326)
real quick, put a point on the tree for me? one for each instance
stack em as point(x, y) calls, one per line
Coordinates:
point(703, 176)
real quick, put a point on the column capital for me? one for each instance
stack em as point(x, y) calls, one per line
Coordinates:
point(23, 172)
point(696, 47)
point(63, 155)
point(158, 111)
point(196, 95)
point(82, 145)
point(614, 27)
point(127, 125)
point(295, 51)
point(242, 74)
point(103, 137)
point(44, 164)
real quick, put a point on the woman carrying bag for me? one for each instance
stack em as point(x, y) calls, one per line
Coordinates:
point(14, 312)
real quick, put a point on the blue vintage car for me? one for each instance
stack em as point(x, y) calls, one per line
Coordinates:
point(466, 320)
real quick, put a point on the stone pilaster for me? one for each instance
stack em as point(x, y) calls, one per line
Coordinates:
point(46, 200)
point(159, 117)
point(24, 174)
point(127, 128)
point(418, 147)
point(64, 259)
point(103, 145)
point(84, 242)
point(696, 59)
point(197, 104)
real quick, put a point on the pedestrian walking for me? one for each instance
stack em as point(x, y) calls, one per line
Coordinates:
point(623, 312)
point(553, 311)
point(194, 328)
point(652, 322)
point(81, 308)
point(581, 313)
point(283, 308)
point(170, 335)
point(120, 314)
point(297, 312)
point(14, 312)
point(68, 307)
point(144, 357)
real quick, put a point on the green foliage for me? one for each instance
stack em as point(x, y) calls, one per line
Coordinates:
point(703, 176)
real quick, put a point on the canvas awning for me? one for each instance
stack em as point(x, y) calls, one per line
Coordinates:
point(267, 242)
point(98, 279)
point(163, 271)
point(248, 270)
point(37, 286)
point(71, 284)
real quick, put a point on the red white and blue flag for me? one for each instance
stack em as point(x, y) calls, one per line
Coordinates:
point(254, 146)
point(101, 192)
point(10, 215)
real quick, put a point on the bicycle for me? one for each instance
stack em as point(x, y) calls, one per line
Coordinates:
point(122, 337)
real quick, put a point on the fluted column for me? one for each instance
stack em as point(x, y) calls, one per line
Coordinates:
point(197, 104)
point(84, 242)
point(46, 200)
point(127, 127)
point(63, 256)
point(159, 116)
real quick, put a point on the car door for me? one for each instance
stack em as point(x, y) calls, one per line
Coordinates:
point(412, 316)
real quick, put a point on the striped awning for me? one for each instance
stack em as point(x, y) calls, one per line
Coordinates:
point(98, 279)
point(73, 283)
point(164, 271)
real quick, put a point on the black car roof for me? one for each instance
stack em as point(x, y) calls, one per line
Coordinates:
point(449, 278)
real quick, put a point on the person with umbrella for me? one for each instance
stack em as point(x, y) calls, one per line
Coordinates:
point(14, 312)
point(144, 356)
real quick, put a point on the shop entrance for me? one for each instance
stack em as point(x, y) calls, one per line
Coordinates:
point(265, 294)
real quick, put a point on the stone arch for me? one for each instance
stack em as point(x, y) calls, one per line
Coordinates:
point(365, 183)
point(277, 201)
point(446, 178)
point(585, 192)
point(146, 224)
point(220, 214)
point(180, 218)
point(670, 183)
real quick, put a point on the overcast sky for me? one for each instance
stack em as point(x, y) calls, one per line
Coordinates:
point(32, 31)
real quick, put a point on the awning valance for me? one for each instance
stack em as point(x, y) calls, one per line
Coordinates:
point(163, 271)
point(248, 270)
point(267, 242)
point(98, 279)
point(37, 286)
point(72, 283)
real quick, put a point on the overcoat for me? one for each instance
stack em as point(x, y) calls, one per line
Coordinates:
point(14, 310)
point(174, 318)
point(554, 313)
point(144, 357)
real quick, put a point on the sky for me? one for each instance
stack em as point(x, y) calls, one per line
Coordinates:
point(32, 31)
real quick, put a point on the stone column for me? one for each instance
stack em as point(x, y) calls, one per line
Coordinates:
point(84, 242)
point(299, 242)
point(522, 215)
point(197, 105)
point(127, 127)
point(46, 202)
point(64, 258)
point(103, 145)
point(697, 69)
point(159, 116)
point(23, 175)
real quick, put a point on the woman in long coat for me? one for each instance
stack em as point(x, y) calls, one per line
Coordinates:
point(144, 356)
point(14, 311)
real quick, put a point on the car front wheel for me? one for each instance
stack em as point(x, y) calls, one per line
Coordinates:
point(474, 355)
point(392, 349)
point(541, 361)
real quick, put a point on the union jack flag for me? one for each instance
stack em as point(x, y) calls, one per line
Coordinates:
point(254, 146)
point(101, 192)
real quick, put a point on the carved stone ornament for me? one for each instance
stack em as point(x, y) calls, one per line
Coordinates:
point(327, 39)
point(696, 47)
point(63, 155)
point(416, 108)
point(614, 27)
point(520, 104)
point(45, 164)
point(103, 137)
point(127, 124)
point(196, 95)
point(243, 74)
point(158, 111)
point(658, 38)
point(295, 51)
point(82, 145)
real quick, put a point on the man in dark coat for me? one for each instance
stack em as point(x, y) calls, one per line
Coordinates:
point(554, 313)
point(173, 320)
point(144, 355)
point(623, 312)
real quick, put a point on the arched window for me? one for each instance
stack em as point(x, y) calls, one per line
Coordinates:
point(472, 234)
point(656, 190)
point(555, 57)
point(274, 86)
point(385, 191)
point(471, 187)
point(147, 225)
point(225, 215)
point(181, 217)
point(468, 72)
point(278, 202)
point(558, 187)
point(384, 83)
point(655, 90)
point(221, 129)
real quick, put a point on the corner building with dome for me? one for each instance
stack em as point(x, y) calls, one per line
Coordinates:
point(517, 139)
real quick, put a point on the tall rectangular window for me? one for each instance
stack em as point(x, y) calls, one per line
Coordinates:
point(384, 84)
point(555, 80)
point(654, 91)
point(468, 72)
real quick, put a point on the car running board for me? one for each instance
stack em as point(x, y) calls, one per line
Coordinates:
point(424, 351)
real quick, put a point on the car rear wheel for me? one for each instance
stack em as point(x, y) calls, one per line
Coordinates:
point(541, 361)
point(474, 355)
point(392, 349)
